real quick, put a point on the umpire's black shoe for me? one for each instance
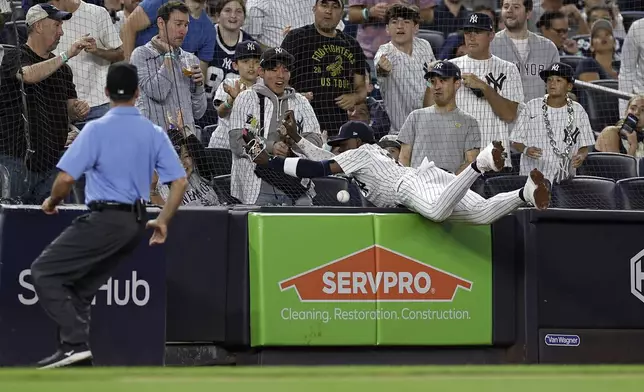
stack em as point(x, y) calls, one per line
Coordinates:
point(66, 355)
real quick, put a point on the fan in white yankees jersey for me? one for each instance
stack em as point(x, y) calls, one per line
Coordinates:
point(401, 65)
point(494, 87)
point(432, 192)
point(532, 137)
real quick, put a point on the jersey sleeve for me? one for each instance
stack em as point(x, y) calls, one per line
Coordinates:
point(513, 90)
point(243, 111)
point(353, 160)
point(407, 133)
point(168, 165)
point(151, 7)
point(70, 87)
point(522, 126)
point(109, 38)
point(586, 136)
point(81, 155)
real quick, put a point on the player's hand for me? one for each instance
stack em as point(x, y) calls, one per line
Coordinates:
point(281, 149)
point(472, 81)
point(384, 66)
point(378, 11)
point(80, 109)
point(49, 207)
point(578, 159)
point(533, 152)
point(233, 90)
point(160, 231)
point(290, 126)
point(158, 44)
point(90, 44)
point(347, 101)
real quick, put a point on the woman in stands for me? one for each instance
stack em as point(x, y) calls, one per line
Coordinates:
point(619, 140)
point(602, 47)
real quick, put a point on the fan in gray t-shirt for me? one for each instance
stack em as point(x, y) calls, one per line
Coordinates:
point(442, 137)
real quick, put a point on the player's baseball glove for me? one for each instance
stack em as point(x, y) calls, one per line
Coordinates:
point(254, 145)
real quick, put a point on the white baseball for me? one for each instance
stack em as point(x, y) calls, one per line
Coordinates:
point(343, 196)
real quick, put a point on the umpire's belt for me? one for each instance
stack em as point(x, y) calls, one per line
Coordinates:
point(101, 205)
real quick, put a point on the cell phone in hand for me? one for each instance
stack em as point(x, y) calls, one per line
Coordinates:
point(630, 123)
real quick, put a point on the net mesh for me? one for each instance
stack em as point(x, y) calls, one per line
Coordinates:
point(37, 119)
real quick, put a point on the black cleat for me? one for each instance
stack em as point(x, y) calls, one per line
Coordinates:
point(67, 355)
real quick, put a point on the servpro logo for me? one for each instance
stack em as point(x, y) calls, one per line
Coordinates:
point(393, 277)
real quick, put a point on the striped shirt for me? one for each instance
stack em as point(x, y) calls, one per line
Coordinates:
point(403, 89)
point(505, 78)
point(631, 72)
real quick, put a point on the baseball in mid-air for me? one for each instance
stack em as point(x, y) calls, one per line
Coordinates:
point(343, 196)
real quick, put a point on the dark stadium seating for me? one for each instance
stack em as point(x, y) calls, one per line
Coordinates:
point(585, 192)
point(221, 158)
point(573, 61)
point(630, 193)
point(500, 184)
point(602, 107)
point(435, 38)
point(327, 188)
point(631, 16)
point(609, 165)
point(221, 185)
point(8, 33)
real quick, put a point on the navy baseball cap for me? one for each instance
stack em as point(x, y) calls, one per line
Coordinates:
point(558, 69)
point(444, 69)
point(274, 56)
point(478, 21)
point(247, 49)
point(39, 12)
point(353, 130)
point(122, 81)
point(341, 2)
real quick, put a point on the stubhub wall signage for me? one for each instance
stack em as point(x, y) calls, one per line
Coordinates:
point(128, 312)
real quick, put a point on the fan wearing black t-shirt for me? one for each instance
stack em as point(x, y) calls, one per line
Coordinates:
point(328, 63)
point(50, 100)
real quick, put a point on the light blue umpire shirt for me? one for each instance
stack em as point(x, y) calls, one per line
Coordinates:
point(118, 154)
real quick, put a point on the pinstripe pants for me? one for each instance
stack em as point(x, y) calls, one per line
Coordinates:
point(438, 195)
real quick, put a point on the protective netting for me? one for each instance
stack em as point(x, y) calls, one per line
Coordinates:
point(584, 146)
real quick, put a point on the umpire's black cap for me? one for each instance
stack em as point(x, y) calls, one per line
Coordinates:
point(353, 130)
point(444, 69)
point(558, 69)
point(247, 49)
point(274, 56)
point(478, 21)
point(122, 81)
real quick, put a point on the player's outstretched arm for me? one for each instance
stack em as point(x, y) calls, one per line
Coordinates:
point(295, 167)
point(313, 152)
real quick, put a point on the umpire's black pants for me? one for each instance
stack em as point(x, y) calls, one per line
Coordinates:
point(69, 272)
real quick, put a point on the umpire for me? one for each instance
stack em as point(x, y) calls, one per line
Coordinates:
point(118, 154)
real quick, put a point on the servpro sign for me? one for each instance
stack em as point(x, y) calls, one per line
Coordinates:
point(394, 277)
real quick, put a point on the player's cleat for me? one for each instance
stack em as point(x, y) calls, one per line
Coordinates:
point(536, 191)
point(491, 158)
point(66, 355)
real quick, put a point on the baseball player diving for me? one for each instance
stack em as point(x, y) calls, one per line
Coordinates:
point(428, 190)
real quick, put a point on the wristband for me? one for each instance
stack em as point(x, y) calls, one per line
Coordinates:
point(227, 105)
point(64, 57)
point(365, 14)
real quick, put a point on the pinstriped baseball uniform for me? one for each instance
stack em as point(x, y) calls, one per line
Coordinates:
point(432, 192)
point(541, 53)
point(505, 78)
point(403, 89)
point(631, 71)
point(531, 132)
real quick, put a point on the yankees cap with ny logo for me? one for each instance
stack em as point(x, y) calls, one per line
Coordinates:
point(247, 49)
point(478, 21)
point(444, 69)
point(558, 69)
point(353, 130)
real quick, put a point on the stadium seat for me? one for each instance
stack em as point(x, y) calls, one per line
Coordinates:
point(222, 160)
point(8, 33)
point(585, 192)
point(602, 107)
point(573, 61)
point(435, 39)
point(630, 17)
point(206, 134)
point(609, 165)
point(500, 184)
point(630, 193)
point(221, 185)
point(326, 191)
point(640, 167)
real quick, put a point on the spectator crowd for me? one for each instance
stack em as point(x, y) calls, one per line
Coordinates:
point(211, 71)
